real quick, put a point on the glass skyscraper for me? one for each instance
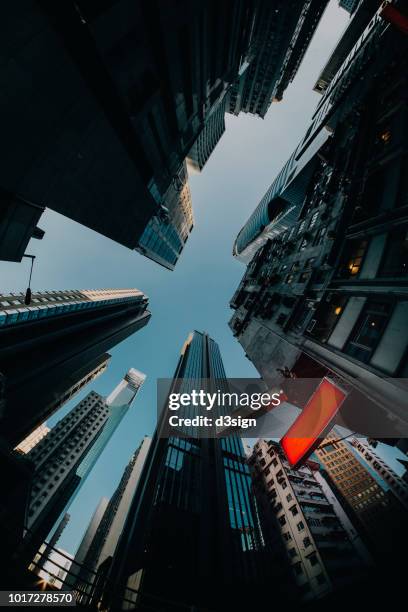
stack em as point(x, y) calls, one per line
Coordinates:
point(193, 526)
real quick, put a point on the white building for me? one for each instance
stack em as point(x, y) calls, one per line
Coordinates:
point(318, 544)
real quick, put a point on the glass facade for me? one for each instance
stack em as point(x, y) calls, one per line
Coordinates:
point(166, 233)
point(182, 468)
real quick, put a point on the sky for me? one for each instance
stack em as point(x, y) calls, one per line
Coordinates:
point(197, 294)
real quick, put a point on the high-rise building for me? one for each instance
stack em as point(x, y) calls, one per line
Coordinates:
point(325, 288)
point(195, 515)
point(101, 549)
point(389, 478)
point(87, 539)
point(209, 137)
point(361, 18)
point(47, 550)
point(282, 32)
point(317, 535)
point(53, 347)
point(64, 459)
point(376, 512)
point(167, 232)
point(18, 224)
point(127, 90)
point(31, 440)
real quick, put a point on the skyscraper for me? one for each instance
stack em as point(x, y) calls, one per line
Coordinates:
point(86, 542)
point(193, 527)
point(167, 232)
point(127, 91)
point(48, 549)
point(325, 288)
point(281, 35)
point(31, 440)
point(376, 512)
point(389, 478)
point(100, 549)
point(56, 345)
point(209, 136)
point(63, 459)
point(317, 534)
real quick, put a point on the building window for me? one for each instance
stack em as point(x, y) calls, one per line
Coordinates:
point(306, 542)
point(300, 526)
point(282, 520)
point(313, 220)
point(313, 559)
point(353, 259)
point(292, 552)
point(368, 330)
point(297, 568)
point(319, 236)
point(289, 497)
point(395, 260)
point(294, 510)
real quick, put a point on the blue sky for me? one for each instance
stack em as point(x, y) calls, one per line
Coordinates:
point(196, 295)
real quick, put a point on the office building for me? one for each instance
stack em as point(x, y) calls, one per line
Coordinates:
point(391, 481)
point(362, 14)
point(102, 133)
point(317, 535)
point(166, 234)
point(18, 224)
point(101, 548)
point(378, 515)
point(282, 32)
point(195, 515)
point(64, 459)
point(53, 347)
point(209, 137)
point(325, 288)
point(87, 539)
point(31, 440)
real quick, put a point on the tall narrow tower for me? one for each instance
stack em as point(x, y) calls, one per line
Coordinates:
point(193, 524)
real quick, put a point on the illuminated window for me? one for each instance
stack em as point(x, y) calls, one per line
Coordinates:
point(384, 136)
point(353, 259)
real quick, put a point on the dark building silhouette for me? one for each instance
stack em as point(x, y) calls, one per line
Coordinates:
point(104, 101)
point(325, 289)
point(95, 553)
point(56, 345)
point(209, 137)
point(194, 516)
point(281, 35)
point(53, 541)
point(18, 224)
